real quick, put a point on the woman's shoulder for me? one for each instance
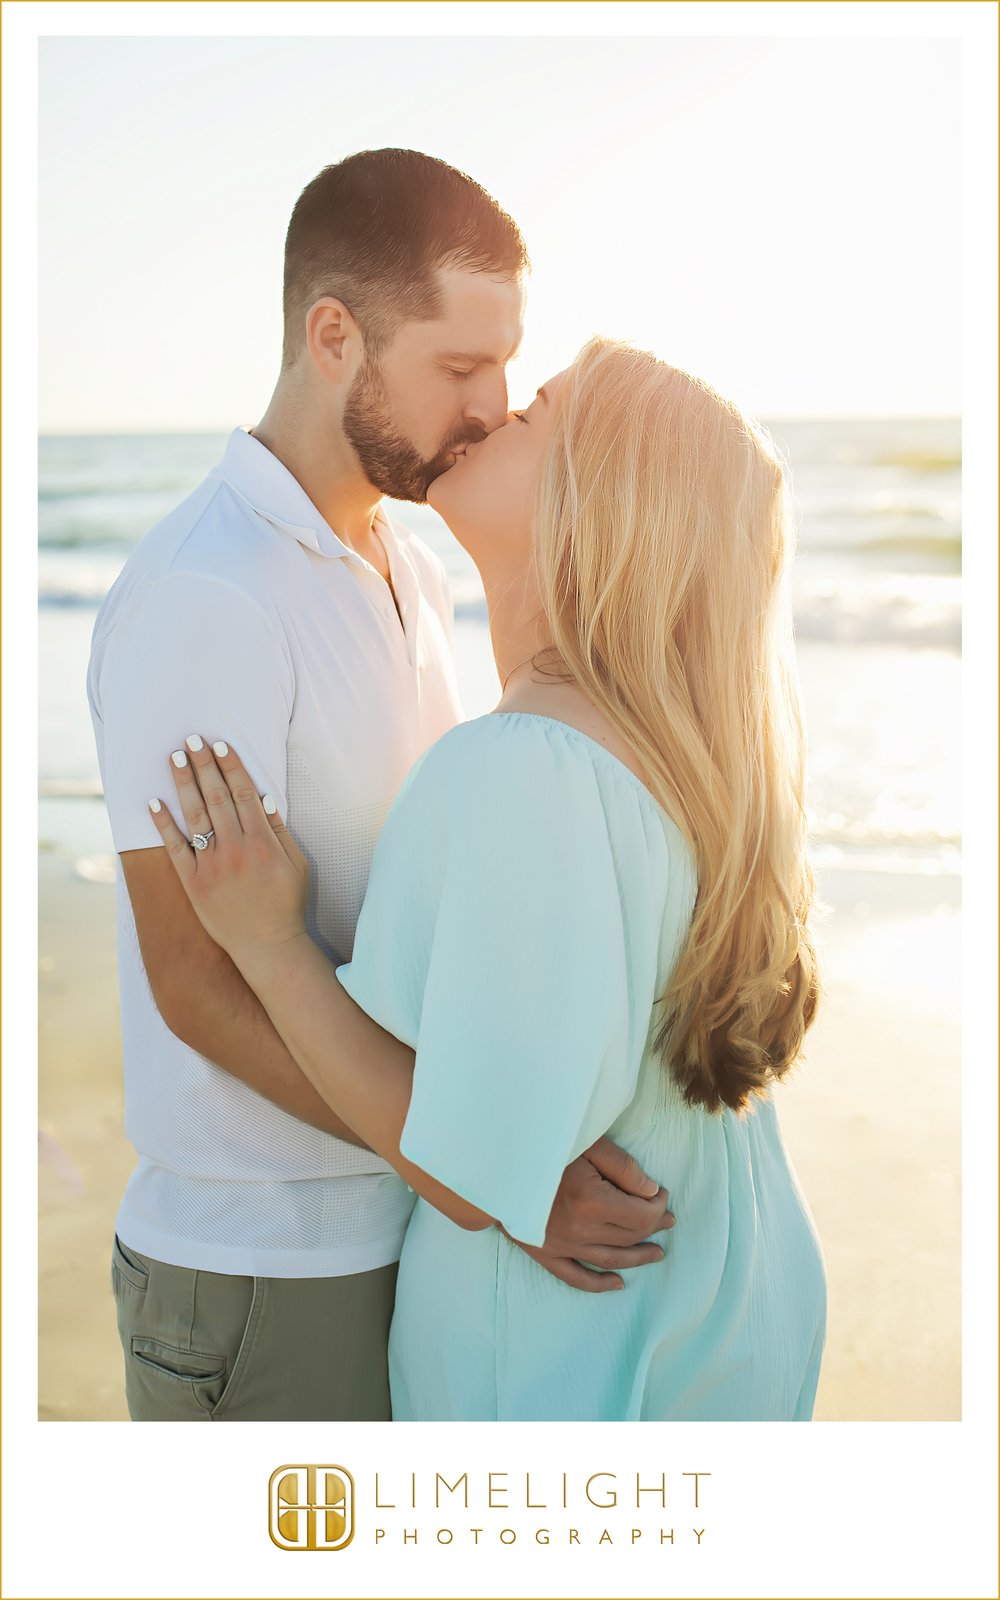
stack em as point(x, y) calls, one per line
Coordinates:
point(504, 747)
point(529, 764)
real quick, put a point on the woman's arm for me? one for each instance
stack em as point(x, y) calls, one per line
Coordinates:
point(328, 1035)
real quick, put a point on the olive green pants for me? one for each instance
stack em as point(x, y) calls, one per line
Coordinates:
point(215, 1347)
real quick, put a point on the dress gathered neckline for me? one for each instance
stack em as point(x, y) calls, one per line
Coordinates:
point(568, 727)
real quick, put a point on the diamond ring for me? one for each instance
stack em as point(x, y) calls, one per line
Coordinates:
point(200, 840)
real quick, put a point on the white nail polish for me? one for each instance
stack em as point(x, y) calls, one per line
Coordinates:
point(269, 805)
point(154, 805)
point(221, 749)
point(194, 743)
point(179, 759)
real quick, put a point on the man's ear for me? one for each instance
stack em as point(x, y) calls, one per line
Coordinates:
point(333, 340)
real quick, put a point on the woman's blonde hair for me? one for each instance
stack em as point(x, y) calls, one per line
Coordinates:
point(662, 532)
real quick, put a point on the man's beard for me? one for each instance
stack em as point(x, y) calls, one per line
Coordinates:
point(390, 462)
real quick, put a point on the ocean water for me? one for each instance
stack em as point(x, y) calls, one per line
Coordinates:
point(876, 587)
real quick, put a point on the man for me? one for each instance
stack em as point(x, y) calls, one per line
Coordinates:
point(256, 1245)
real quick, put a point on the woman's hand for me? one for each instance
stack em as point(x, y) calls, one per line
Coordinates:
point(249, 884)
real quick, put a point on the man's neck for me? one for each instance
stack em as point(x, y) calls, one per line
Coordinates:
point(326, 467)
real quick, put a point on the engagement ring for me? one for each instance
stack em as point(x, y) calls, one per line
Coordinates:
point(200, 840)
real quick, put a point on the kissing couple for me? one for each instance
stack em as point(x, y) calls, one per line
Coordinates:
point(450, 1045)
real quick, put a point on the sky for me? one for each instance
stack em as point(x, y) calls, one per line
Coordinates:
point(778, 215)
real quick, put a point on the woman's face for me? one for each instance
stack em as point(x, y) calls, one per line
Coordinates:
point(485, 498)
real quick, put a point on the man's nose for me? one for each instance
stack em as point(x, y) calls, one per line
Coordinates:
point(487, 405)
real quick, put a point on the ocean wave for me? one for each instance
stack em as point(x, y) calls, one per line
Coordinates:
point(895, 860)
point(122, 538)
point(871, 530)
point(87, 596)
point(821, 620)
point(471, 609)
point(897, 626)
point(943, 545)
point(65, 600)
point(879, 528)
point(117, 520)
point(947, 545)
point(864, 833)
point(866, 507)
point(919, 460)
point(134, 485)
point(915, 611)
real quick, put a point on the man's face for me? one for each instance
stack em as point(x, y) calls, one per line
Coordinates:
point(438, 386)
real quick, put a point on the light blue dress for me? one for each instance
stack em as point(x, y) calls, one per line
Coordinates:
point(527, 901)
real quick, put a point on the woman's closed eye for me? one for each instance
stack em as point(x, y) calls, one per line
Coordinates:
point(519, 415)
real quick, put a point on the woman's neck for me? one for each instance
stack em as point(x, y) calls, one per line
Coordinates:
point(532, 677)
point(520, 631)
point(518, 627)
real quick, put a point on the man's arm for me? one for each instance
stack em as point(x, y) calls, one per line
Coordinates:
point(205, 1001)
point(190, 649)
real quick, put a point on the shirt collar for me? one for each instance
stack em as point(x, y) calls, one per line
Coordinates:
point(268, 487)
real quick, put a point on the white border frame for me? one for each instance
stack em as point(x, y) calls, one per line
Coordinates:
point(830, 1510)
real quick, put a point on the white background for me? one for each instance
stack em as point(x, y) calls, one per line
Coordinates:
point(826, 1510)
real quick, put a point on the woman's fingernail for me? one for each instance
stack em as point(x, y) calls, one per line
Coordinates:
point(221, 748)
point(179, 759)
point(650, 1186)
point(154, 805)
point(269, 805)
point(194, 743)
point(618, 1285)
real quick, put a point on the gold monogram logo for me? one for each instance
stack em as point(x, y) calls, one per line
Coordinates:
point(311, 1507)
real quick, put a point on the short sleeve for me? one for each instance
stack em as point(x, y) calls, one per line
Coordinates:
point(187, 654)
point(527, 1048)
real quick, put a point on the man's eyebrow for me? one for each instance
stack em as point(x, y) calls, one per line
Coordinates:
point(482, 358)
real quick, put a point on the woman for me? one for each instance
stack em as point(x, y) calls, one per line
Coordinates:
point(586, 913)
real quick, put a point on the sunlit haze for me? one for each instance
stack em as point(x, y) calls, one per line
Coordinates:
point(779, 216)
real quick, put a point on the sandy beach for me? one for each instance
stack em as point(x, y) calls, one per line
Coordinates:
point(872, 1120)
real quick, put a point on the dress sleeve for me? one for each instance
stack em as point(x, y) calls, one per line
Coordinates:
point(525, 1049)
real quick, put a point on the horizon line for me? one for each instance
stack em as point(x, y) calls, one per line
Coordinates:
point(206, 429)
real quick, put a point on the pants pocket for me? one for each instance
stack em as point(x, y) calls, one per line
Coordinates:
point(167, 1383)
point(226, 1401)
point(128, 1267)
point(180, 1333)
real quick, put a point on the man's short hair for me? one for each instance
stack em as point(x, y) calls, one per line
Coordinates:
point(372, 230)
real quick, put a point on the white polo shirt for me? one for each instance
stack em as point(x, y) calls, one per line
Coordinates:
point(243, 617)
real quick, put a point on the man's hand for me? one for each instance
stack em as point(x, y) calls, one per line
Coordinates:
point(604, 1209)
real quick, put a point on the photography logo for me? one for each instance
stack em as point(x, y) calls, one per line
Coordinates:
point(311, 1507)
